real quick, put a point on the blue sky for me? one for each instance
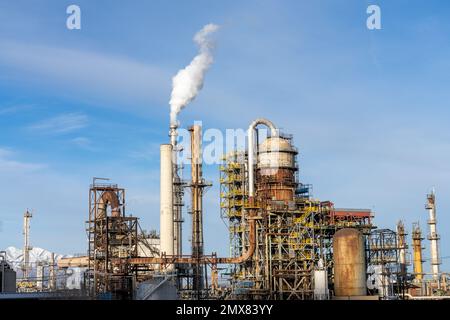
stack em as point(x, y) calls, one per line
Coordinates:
point(368, 109)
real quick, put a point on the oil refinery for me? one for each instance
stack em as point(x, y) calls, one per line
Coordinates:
point(284, 243)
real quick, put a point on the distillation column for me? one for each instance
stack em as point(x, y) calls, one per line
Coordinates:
point(26, 244)
point(433, 236)
point(401, 239)
point(417, 252)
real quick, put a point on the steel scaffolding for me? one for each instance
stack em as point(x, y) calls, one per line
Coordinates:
point(112, 236)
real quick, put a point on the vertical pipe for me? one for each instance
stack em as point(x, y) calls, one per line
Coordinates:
point(166, 202)
point(251, 155)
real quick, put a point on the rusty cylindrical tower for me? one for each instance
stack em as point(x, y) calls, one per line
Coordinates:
point(349, 263)
point(276, 169)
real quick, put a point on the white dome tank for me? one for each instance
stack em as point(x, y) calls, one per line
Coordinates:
point(275, 153)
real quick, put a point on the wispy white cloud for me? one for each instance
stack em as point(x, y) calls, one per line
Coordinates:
point(84, 143)
point(4, 110)
point(61, 124)
point(8, 164)
point(91, 76)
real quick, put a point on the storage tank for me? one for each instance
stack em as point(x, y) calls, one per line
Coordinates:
point(349, 263)
point(276, 168)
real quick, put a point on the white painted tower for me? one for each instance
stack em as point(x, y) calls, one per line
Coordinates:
point(433, 236)
point(26, 244)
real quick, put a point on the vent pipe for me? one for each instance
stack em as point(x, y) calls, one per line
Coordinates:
point(251, 150)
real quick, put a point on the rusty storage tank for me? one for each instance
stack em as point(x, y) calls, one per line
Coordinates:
point(349, 263)
point(276, 168)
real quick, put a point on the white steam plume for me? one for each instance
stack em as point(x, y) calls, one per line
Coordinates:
point(189, 81)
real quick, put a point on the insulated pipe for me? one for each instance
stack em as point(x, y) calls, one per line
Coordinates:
point(251, 150)
point(252, 245)
point(166, 200)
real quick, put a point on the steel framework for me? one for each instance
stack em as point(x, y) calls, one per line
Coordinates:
point(111, 235)
point(383, 252)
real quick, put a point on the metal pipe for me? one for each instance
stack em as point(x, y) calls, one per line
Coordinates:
point(166, 201)
point(426, 297)
point(251, 150)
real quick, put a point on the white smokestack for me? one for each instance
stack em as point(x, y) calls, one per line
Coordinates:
point(166, 232)
point(189, 81)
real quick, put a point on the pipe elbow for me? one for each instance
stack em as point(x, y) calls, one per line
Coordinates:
point(267, 123)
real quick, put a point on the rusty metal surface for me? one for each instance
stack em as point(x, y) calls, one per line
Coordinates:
point(278, 186)
point(349, 263)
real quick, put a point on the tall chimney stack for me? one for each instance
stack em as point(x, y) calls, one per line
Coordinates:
point(166, 202)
